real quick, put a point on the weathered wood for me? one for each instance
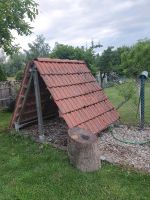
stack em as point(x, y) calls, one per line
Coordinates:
point(25, 96)
point(8, 92)
point(83, 149)
point(31, 121)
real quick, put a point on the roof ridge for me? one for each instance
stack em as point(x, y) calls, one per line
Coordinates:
point(59, 60)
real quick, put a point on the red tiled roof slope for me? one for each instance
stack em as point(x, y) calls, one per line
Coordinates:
point(80, 99)
point(78, 96)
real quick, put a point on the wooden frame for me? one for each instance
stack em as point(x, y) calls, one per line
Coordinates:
point(34, 77)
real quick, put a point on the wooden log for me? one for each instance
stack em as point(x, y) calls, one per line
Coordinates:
point(83, 150)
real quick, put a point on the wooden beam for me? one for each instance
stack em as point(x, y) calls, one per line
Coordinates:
point(32, 120)
point(38, 104)
point(25, 96)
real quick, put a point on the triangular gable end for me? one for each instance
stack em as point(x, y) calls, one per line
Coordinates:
point(74, 90)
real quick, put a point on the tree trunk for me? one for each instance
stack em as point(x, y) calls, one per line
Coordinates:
point(83, 149)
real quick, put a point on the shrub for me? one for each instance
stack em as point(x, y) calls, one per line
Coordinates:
point(19, 75)
point(2, 75)
point(11, 105)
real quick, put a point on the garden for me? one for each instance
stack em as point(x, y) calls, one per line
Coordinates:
point(39, 161)
point(32, 170)
point(36, 171)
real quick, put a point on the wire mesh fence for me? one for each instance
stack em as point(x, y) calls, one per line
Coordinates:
point(125, 96)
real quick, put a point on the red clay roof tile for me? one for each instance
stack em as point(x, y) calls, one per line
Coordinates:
point(76, 93)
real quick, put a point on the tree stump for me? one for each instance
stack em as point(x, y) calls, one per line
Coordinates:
point(83, 149)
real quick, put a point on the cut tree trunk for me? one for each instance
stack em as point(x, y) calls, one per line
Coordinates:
point(83, 149)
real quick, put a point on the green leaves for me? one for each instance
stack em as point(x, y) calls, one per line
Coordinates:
point(136, 59)
point(19, 75)
point(14, 16)
point(14, 63)
point(128, 61)
point(2, 75)
point(75, 53)
point(38, 48)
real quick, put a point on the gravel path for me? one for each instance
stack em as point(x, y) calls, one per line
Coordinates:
point(111, 150)
point(114, 151)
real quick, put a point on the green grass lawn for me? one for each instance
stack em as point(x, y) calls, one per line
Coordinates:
point(128, 112)
point(30, 171)
point(4, 119)
point(11, 78)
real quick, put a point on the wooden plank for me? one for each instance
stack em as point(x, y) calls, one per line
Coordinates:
point(8, 91)
point(33, 120)
point(5, 99)
point(25, 96)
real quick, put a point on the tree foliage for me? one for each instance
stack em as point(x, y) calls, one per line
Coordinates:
point(17, 61)
point(62, 51)
point(126, 61)
point(19, 75)
point(2, 75)
point(14, 16)
point(136, 59)
point(14, 64)
point(106, 60)
point(129, 92)
point(2, 71)
point(38, 48)
point(110, 60)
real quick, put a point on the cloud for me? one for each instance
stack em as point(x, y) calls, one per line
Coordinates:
point(112, 22)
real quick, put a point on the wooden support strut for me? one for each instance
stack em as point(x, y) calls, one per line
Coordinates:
point(38, 104)
point(25, 97)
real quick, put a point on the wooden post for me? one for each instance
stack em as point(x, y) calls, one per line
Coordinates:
point(83, 149)
point(38, 104)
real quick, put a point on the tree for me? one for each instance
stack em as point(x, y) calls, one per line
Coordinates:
point(117, 67)
point(109, 62)
point(14, 16)
point(62, 51)
point(15, 63)
point(39, 48)
point(136, 59)
point(105, 62)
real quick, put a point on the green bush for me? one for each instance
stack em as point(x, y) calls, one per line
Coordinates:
point(19, 75)
point(2, 75)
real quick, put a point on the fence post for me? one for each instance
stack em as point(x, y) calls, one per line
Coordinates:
point(143, 77)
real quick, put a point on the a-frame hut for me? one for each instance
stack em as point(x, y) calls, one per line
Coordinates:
point(65, 87)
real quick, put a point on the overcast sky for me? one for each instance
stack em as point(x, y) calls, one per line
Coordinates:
point(77, 22)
